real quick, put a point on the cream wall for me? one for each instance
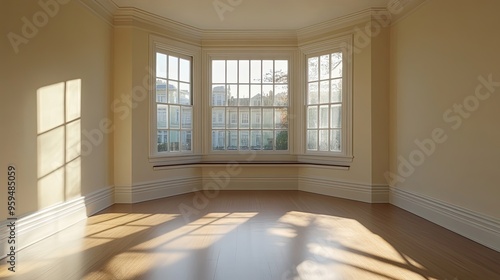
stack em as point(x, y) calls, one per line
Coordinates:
point(370, 97)
point(370, 119)
point(437, 55)
point(133, 169)
point(72, 44)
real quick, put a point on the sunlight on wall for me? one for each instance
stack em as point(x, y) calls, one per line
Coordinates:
point(59, 142)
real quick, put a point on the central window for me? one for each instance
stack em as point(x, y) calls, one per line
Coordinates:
point(249, 105)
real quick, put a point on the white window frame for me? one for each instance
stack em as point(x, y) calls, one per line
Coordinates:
point(164, 45)
point(344, 157)
point(211, 54)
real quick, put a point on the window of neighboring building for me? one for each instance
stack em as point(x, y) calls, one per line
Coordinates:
point(249, 105)
point(174, 109)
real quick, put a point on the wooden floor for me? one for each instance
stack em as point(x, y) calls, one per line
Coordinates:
point(278, 235)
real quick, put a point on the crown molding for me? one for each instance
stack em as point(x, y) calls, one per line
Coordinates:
point(408, 7)
point(139, 18)
point(104, 9)
point(309, 33)
point(240, 38)
point(129, 16)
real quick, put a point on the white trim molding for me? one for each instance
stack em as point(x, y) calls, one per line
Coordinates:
point(354, 191)
point(156, 189)
point(37, 226)
point(478, 227)
point(257, 183)
point(4, 233)
point(103, 9)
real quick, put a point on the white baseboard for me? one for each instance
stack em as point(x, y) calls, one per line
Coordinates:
point(4, 234)
point(475, 226)
point(155, 190)
point(354, 191)
point(256, 183)
point(380, 194)
point(34, 227)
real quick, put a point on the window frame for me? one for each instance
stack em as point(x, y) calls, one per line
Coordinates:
point(181, 50)
point(326, 47)
point(211, 54)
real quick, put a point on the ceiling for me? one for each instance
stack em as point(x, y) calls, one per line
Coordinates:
point(251, 14)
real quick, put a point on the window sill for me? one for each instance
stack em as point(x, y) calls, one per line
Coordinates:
point(326, 160)
point(180, 159)
point(256, 160)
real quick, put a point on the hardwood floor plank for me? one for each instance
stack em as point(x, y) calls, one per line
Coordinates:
point(275, 235)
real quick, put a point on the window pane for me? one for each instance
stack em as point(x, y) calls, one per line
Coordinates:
point(244, 118)
point(255, 94)
point(324, 92)
point(281, 95)
point(323, 116)
point(232, 95)
point(312, 117)
point(232, 139)
point(323, 140)
point(336, 115)
point(173, 67)
point(336, 68)
point(185, 70)
point(218, 140)
point(161, 65)
point(312, 93)
point(256, 140)
point(218, 95)
point(187, 115)
point(244, 95)
point(281, 71)
point(185, 94)
point(267, 118)
point(312, 140)
point(161, 116)
point(244, 74)
point(232, 71)
point(267, 71)
point(186, 140)
point(324, 71)
point(324, 122)
point(256, 118)
point(173, 88)
point(231, 118)
point(281, 118)
point(312, 69)
point(244, 140)
point(174, 141)
point(267, 97)
point(162, 140)
point(281, 140)
point(174, 116)
point(161, 91)
point(173, 95)
point(335, 140)
point(336, 90)
point(256, 71)
point(218, 118)
point(218, 71)
point(268, 139)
